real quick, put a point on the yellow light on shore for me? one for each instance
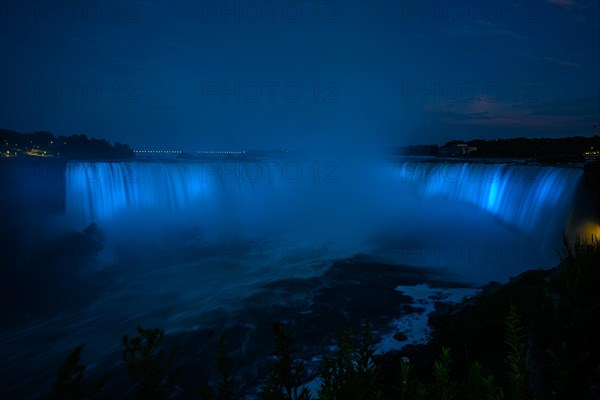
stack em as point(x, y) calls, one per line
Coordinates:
point(590, 230)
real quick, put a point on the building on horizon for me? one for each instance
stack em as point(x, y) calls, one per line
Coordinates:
point(456, 149)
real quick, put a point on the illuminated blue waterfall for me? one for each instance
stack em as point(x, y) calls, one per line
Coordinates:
point(99, 191)
point(524, 197)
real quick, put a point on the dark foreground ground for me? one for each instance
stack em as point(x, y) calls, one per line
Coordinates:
point(533, 337)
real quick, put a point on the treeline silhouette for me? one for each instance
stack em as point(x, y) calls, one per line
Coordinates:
point(567, 148)
point(71, 147)
point(534, 147)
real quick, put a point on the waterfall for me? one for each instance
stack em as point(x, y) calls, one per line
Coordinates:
point(101, 190)
point(527, 198)
point(533, 200)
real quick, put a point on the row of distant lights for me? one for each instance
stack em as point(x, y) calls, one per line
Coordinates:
point(158, 151)
point(221, 152)
point(179, 151)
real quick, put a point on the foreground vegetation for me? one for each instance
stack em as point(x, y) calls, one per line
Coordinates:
point(533, 338)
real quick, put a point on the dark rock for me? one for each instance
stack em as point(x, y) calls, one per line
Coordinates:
point(94, 233)
point(442, 307)
point(438, 296)
point(593, 392)
point(490, 288)
point(410, 309)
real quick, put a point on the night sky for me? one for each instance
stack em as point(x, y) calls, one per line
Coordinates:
point(198, 75)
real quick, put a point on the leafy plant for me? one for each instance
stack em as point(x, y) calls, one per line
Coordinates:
point(514, 338)
point(69, 380)
point(406, 388)
point(444, 388)
point(351, 373)
point(284, 379)
point(481, 387)
point(148, 365)
point(69, 384)
point(225, 383)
